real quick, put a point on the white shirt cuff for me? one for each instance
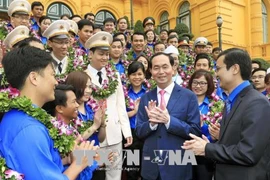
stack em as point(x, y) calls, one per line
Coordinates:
point(168, 123)
point(153, 128)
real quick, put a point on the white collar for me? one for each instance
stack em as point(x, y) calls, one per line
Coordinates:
point(168, 89)
point(63, 61)
point(95, 71)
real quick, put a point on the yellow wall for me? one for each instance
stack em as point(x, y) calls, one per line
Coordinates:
point(242, 19)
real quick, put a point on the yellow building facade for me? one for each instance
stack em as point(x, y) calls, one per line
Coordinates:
point(245, 22)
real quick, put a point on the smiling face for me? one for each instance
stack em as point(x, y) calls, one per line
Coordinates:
point(202, 64)
point(100, 58)
point(199, 86)
point(144, 61)
point(162, 71)
point(138, 43)
point(46, 83)
point(87, 91)
point(136, 79)
point(70, 110)
point(116, 50)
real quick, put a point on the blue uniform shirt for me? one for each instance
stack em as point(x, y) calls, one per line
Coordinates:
point(133, 95)
point(89, 116)
point(34, 24)
point(27, 147)
point(120, 67)
point(204, 109)
point(233, 95)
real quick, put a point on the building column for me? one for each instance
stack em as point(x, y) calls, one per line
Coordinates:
point(256, 27)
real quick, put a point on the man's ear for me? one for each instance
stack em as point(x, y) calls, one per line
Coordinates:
point(33, 78)
point(59, 109)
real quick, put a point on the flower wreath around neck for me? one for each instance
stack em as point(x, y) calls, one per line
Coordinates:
point(109, 86)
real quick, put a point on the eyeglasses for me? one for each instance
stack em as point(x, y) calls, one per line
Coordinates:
point(22, 18)
point(200, 83)
point(258, 77)
point(61, 42)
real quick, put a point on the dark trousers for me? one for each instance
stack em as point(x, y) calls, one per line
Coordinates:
point(133, 172)
point(204, 170)
point(98, 175)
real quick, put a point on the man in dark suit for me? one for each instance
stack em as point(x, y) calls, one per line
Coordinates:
point(167, 126)
point(243, 148)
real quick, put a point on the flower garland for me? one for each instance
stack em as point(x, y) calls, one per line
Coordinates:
point(214, 114)
point(186, 74)
point(77, 61)
point(268, 96)
point(62, 134)
point(147, 51)
point(108, 86)
point(130, 103)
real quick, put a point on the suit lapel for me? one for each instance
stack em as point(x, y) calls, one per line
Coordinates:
point(94, 80)
point(174, 97)
point(227, 117)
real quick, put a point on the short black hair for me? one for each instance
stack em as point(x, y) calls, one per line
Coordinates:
point(65, 15)
point(75, 15)
point(164, 30)
point(134, 67)
point(118, 20)
point(84, 22)
point(19, 62)
point(158, 54)
point(216, 49)
point(96, 26)
point(267, 78)
point(202, 56)
point(158, 43)
point(171, 30)
point(26, 42)
point(256, 62)
point(259, 69)
point(138, 34)
point(209, 43)
point(88, 14)
point(238, 56)
point(117, 39)
point(60, 98)
point(36, 3)
point(119, 33)
point(109, 20)
point(172, 37)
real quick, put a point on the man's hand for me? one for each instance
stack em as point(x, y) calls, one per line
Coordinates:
point(197, 144)
point(214, 130)
point(159, 116)
point(129, 141)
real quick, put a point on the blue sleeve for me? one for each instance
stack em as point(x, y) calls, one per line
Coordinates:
point(143, 129)
point(87, 173)
point(33, 155)
point(192, 123)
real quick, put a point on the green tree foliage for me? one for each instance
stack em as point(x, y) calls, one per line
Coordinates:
point(139, 27)
point(183, 30)
point(128, 23)
point(264, 63)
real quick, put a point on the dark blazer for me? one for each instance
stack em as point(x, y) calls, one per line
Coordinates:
point(243, 149)
point(184, 119)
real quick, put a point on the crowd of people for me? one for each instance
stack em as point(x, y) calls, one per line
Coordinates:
point(70, 84)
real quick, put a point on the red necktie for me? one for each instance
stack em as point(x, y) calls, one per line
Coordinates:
point(162, 99)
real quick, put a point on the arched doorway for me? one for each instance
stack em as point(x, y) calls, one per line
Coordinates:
point(102, 15)
point(56, 10)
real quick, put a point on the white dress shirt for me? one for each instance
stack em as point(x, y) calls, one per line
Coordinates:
point(94, 72)
point(63, 66)
point(167, 95)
